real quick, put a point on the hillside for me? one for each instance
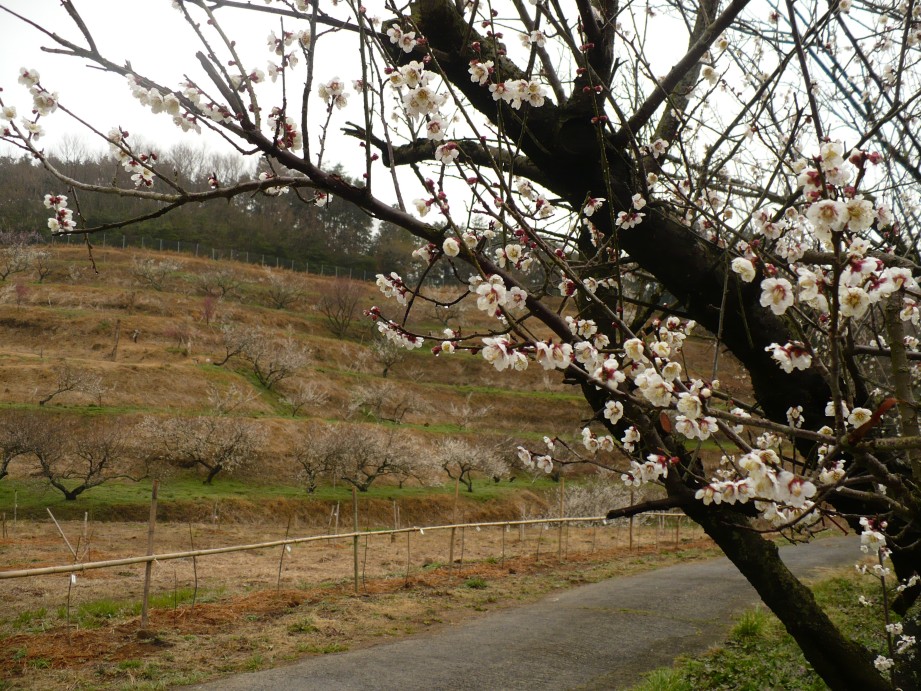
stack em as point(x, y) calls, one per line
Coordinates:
point(147, 332)
point(169, 342)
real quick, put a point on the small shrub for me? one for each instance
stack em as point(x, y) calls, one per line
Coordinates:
point(475, 583)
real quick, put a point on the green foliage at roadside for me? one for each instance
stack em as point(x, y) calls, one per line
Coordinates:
point(759, 654)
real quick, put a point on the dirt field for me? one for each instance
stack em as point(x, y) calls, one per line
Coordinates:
point(243, 620)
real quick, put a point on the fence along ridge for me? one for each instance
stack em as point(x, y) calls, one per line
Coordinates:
point(126, 561)
point(227, 254)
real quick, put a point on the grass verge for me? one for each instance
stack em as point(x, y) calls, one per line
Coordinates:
point(760, 654)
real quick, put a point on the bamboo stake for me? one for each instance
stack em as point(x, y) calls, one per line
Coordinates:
point(148, 569)
point(63, 536)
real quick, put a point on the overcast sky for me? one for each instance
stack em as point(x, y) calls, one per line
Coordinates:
point(149, 33)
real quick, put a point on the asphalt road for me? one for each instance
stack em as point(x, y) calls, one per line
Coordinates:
point(599, 636)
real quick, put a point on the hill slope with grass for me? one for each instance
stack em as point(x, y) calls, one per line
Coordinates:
point(146, 336)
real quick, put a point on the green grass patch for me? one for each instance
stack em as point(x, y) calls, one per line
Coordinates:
point(125, 500)
point(760, 654)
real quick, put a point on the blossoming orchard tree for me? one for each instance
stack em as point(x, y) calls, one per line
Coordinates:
point(600, 176)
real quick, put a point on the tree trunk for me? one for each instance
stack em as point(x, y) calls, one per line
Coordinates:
point(842, 663)
point(212, 472)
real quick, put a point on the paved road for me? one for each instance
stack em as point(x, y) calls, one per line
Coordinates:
point(599, 636)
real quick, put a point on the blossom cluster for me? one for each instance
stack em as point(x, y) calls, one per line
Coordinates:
point(137, 165)
point(781, 496)
point(169, 103)
point(62, 221)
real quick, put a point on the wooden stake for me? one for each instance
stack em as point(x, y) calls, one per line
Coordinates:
point(463, 534)
point(631, 523)
point(408, 533)
point(194, 567)
point(148, 568)
point(677, 530)
point(504, 531)
point(559, 536)
point(451, 550)
point(118, 331)
point(284, 548)
point(355, 538)
point(70, 585)
point(86, 536)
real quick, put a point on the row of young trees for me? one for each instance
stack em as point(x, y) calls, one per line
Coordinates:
point(762, 183)
point(76, 455)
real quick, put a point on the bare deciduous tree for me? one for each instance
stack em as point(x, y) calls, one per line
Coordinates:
point(386, 353)
point(340, 304)
point(305, 394)
point(362, 455)
point(274, 361)
point(219, 283)
point(75, 456)
point(284, 289)
point(382, 402)
point(153, 273)
point(15, 257)
point(13, 438)
point(42, 263)
point(461, 460)
point(68, 377)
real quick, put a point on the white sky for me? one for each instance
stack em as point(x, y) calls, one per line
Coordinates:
point(149, 33)
point(161, 46)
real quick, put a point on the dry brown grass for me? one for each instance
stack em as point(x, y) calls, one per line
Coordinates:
point(243, 621)
point(169, 367)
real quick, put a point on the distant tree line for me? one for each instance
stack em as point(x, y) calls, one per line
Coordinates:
point(337, 234)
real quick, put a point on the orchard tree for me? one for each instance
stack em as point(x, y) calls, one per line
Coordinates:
point(461, 460)
point(606, 191)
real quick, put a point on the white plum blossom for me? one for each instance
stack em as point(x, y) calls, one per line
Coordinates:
point(776, 293)
point(480, 71)
point(744, 268)
point(28, 78)
point(451, 247)
point(790, 356)
point(553, 355)
point(859, 416)
point(392, 286)
point(592, 205)
point(333, 93)
point(629, 219)
point(854, 302)
point(613, 411)
point(447, 153)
